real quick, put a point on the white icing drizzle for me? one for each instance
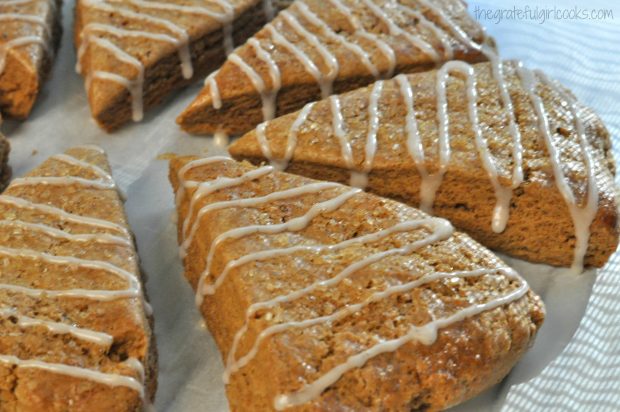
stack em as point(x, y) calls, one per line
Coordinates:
point(337, 125)
point(584, 215)
point(395, 30)
point(18, 42)
point(204, 190)
point(84, 165)
point(448, 53)
point(385, 48)
point(223, 13)
point(269, 12)
point(52, 231)
point(89, 335)
point(70, 217)
point(62, 181)
point(293, 225)
point(134, 86)
point(99, 295)
point(430, 183)
point(133, 289)
point(261, 136)
point(108, 29)
point(326, 80)
point(360, 178)
point(91, 147)
point(180, 34)
point(268, 96)
point(226, 16)
point(28, 18)
point(439, 230)
point(216, 98)
point(73, 261)
point(303, 58)
point(191, 165)
point(109, 379)
point(291, 141)
point(360, 31)
point(136, 365)
point(425, 334)
point(354, 48)
point(501, 211)
point(503, 194)
point(221, 139)
point(42, 40)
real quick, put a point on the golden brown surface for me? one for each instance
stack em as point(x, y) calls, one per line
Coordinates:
point(26, 66)
point(241, 103)
point(467, 357)
point(538, 213)
point(110, 102)
point(5, 169)
point(35, 389)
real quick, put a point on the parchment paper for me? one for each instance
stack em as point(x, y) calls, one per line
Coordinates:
point(563, 371)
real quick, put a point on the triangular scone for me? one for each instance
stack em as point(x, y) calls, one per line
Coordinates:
point(531, 176)
point(5, 169)
point(75, 326)
point(317, 47)
point(324, 297)
point(29, 36)
point(135, 53)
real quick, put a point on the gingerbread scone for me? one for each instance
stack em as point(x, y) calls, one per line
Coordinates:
point(29, 36)
point(324, 297)
point(75, 325)
point(506, 154)
point(316, 48)
point(133, 53)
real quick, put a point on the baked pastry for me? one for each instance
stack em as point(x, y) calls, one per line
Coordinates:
point(343, 299)
point(5, 169)
point(533, 165)
point(29, 36)
point(135, 53)
point(75, 325)
point(317, 47)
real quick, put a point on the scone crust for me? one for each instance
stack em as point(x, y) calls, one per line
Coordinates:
point(29, 227)
point(241, 104)
point(27, 67)
point(466, 197)
point(467, 358)
point(110, 102)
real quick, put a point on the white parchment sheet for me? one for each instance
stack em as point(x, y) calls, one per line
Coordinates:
point(573, 366)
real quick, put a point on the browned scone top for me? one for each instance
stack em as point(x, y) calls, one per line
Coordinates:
point(376, 305)
point(5, 169)
point(134, 54)
point(74, 333)
point(29, 35)
point(540, 225)
point(317, 47)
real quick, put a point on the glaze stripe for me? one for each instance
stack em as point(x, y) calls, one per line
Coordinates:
point(439, 230)
point(43, 40)
point(133, 290)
